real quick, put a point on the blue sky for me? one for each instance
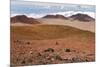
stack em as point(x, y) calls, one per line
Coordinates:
point(29, 7)
point(40, 8)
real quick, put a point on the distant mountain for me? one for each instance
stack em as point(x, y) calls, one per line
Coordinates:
point(23, 19)
point(81, 17)
point(78, 16)
point(55, 16)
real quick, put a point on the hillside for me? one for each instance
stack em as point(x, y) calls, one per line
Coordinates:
point(23, 19)
point(51, 44)
point(55, 16)
point(82, 17)
point(79, 17)
point(47, 32)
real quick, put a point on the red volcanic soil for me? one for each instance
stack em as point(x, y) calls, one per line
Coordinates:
point(51, 44)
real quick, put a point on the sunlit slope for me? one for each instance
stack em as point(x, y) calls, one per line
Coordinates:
point(38, 32)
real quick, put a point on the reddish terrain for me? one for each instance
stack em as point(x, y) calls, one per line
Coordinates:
point(51, 44)
point(52, 39)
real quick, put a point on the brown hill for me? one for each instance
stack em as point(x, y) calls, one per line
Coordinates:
point(82, 17)
point(55, 16)
point(23, 19)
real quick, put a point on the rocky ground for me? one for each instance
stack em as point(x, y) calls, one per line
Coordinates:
point(47, 44)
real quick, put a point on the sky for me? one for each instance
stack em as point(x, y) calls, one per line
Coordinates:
point(39, 9)
point(89, 2)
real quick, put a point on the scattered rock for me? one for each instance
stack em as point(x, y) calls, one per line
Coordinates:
point(18, 41)
point(49, 50)
point(76, 59)
point(23, 62)
point(39, 54)
point(67, 50)
point(30, 52)
point(28, 43)
point(57, 57)
point(57, 43)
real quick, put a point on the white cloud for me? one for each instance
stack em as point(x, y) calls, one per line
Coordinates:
point(68, 13)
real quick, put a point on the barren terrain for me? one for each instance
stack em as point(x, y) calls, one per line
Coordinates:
point(89, 26)
point(51, 42)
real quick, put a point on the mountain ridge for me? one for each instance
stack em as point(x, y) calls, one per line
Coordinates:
point(23, 19)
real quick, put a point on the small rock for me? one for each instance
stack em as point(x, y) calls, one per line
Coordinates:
point(28, 43)
point(67, 50)
point(57, 43)
point(49, 50)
